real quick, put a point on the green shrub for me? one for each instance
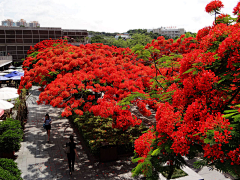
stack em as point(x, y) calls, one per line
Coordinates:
point(98, 130)
point(9, 170)
point(11, 135)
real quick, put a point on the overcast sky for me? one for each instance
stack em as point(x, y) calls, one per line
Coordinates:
point(111, 15)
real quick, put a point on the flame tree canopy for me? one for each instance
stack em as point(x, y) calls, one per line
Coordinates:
point(193, 85)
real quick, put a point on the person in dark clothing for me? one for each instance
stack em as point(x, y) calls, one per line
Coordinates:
point(71, 155)
point(48, 121)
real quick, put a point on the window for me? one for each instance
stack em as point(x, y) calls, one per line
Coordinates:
point(27, 36)
point(27, 40)
point(2, 48)
point(36, 36)
point(12, 48)
point(10, 41)
point(10, 31)
point(35, 40)
point(19, 32)
point(35, 32)
point(27, 32)
point(19, 40)
point(43, 32)
point(44, 36)
point(19, 47)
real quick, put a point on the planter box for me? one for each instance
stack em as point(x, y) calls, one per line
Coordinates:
point(108, 153)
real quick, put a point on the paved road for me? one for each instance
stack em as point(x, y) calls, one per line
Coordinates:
point(38, 159)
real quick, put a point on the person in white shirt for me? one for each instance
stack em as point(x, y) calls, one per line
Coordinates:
point(48, 121)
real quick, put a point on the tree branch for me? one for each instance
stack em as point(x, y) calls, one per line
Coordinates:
point(235, 94)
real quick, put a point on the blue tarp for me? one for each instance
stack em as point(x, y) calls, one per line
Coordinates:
point(2, 78)
point(14, 73)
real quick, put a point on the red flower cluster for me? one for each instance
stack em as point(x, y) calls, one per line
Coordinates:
point(143, 144)
point(65, 71)
point(236, 9)
point(214, 5)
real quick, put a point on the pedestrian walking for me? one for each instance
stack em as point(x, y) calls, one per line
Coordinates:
point(48, 121)
point(71, 154)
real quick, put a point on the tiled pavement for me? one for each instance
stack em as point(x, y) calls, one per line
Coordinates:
point(38, 159)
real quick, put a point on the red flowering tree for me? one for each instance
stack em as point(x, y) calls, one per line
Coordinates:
point(75, 78)
point(192, 84)
point(214, 7)
point(236, 11)
point(197, 102)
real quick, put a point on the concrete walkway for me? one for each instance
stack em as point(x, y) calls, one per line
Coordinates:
point(38, 159)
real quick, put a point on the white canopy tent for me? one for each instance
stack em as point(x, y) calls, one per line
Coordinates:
point(8, 95)
point(5, 105)
point(8, 89)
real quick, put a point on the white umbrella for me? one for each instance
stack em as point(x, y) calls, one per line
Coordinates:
point(8, 95)
point(12, 66)
point(9, 70)
point(5, 105)
point(2, 73)
point(8, 89)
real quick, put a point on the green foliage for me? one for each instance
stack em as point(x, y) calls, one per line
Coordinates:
point(55, 44)
point(9, 170)
point(94, 33)
point(233, 116)
point(190, 34)
point(98, 130)
point(10, 131)
point(97, 39)
point(177, 173)
point(143, 53)
point(137, 38)
point(34, 54)
point(131, 97)
point(226, 20)
point(21, 106)
point(156, 160)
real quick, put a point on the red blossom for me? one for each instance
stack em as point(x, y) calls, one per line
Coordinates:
point(214, 5)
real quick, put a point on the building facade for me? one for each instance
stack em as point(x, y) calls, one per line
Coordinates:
point(170, 32)
point(21, 22)
point(16, 41)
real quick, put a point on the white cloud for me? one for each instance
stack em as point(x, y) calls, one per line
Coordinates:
point(113, 16)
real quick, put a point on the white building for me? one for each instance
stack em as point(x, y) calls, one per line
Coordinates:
point(123, 36)
point(149, 30)
point(170, 32)
point(21, 22)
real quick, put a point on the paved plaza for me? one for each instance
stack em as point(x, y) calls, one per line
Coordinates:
point(38, 159)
